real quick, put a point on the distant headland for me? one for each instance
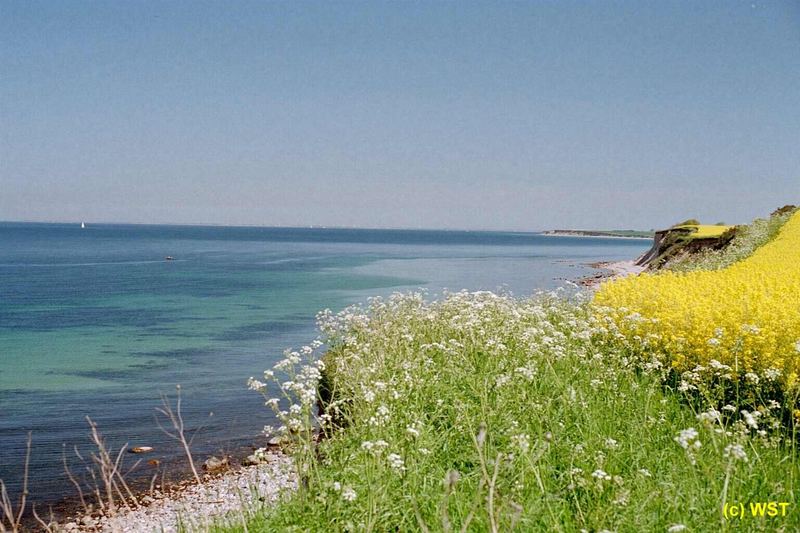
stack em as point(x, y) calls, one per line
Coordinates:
point(621, 233)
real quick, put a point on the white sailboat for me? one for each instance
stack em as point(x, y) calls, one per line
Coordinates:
point(83, 226)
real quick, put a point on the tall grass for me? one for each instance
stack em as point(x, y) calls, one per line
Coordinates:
point(481, 412)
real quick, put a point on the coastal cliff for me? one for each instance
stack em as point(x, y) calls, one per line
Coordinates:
point(680, 241)
point(691, 243)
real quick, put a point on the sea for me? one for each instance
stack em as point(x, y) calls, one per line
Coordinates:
point(97, 322)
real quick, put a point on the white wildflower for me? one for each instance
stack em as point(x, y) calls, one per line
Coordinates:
point(272, 403)
point(396, 462)
point(622, 498)
point(688, 438)
point(709, 417)
point(521, 441)
point(501, 380)
point(751, 418)
point(751, 328)
point(254, 384)
point(381, 417)
point(736, 452)
point(527, 372)
point(601, 475)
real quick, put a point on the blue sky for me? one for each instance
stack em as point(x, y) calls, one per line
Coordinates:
point(521, 116)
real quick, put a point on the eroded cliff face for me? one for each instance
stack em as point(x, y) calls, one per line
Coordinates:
point(678, 242)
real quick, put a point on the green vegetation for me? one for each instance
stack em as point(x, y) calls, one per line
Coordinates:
point(481, 412)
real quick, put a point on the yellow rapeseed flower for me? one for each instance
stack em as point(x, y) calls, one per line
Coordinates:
point(746, 315)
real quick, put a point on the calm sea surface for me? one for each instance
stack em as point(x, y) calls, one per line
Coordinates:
point(95, 322)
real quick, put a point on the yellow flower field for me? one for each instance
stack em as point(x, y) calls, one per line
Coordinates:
point(746, 315)
point(704, 231)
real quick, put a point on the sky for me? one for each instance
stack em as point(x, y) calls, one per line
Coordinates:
point(457, 115)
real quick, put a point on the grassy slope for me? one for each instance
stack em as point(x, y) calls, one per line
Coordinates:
point(577, 436)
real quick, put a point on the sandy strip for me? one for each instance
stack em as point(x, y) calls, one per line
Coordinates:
point(620, 269)
point(611, 270)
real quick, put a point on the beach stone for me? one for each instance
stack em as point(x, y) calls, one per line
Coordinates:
point(251, 460)
point(214, 463)
point(141, 449)
point(275, 441)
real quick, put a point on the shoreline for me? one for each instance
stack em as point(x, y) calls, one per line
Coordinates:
point(591, 236)
point(228, 496)
point(610, 270)
point(232, 494)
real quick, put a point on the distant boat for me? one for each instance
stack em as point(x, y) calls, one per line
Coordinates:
point(169, 258)
point(83, 226)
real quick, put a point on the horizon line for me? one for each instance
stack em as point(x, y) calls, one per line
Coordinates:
point(290, 226)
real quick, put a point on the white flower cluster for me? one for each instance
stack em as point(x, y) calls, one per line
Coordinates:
point(299, 390)
point(381, 417)
point(735, 452)
point(396, 462)
point(751, 419)
point(413, 429)
point(376, 447)
point(521, 441)
point(689, 440)
point(710, 417)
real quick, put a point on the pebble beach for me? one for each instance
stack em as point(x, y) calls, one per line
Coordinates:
point(225, 499)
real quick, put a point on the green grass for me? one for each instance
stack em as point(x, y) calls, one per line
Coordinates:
point(488, 413)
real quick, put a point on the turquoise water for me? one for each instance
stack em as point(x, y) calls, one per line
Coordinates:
point(96, 322)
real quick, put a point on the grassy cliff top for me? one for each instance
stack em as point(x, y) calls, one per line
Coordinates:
point(704, 231)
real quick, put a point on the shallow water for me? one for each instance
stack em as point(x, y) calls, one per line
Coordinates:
point(96, 322)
